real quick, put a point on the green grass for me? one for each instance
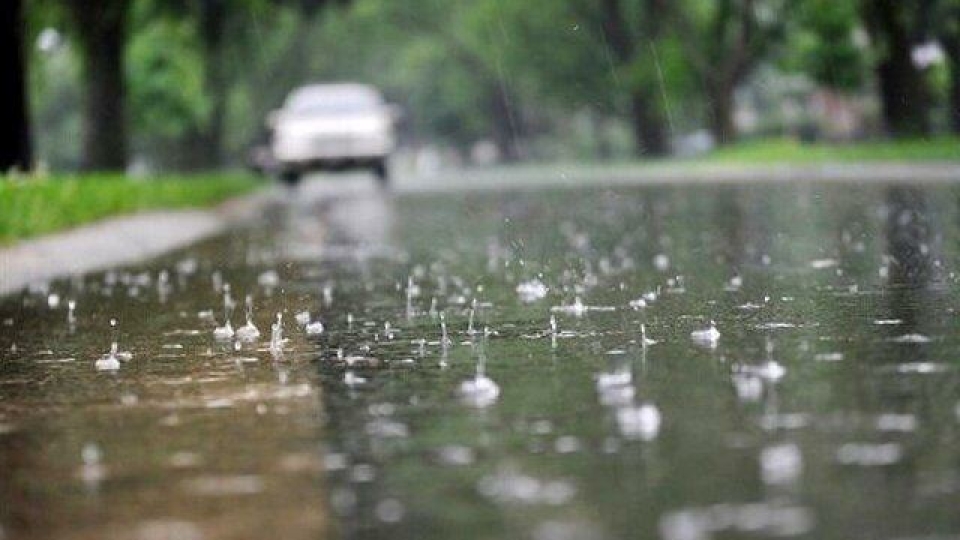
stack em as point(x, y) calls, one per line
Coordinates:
point(791, 151)
point(34, 206)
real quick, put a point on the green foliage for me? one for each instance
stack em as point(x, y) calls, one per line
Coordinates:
point(35, 206)
point(448, 62)
point(164, 73)
point(823, 44)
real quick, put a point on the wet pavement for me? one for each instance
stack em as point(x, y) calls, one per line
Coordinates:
point(685, 363)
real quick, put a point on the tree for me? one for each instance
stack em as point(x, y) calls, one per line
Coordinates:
point(15, 147)
point(723, 42)
point(895, 27)
point(821, 43)
point(635, 50)
point(948, 31)
point(101, 27)
point(609, 58)
point(464, 38)
point(215, 19)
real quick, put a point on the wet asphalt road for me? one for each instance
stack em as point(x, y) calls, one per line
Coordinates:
point(533, 363)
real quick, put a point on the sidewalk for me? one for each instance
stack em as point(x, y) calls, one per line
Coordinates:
point(117, 241)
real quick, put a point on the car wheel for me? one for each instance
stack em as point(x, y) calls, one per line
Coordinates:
point(290, 178)
point(382, 173)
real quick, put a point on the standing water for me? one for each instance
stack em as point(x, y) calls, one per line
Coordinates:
point(828, 409)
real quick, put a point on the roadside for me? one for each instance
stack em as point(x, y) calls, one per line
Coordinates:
point(161, 214)
point(784, 151)
point(31, 206)
point(118, 241)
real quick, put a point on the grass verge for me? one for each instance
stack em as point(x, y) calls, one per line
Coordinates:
point(34, 206)
point(792, 151)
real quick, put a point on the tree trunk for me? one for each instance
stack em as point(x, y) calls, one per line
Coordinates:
point(953, 59)
point(102, 31)
point(721, 115)
point(15, 150)
point(904, 99)
point(648, 126)
point(212, 18)
point(955, 96)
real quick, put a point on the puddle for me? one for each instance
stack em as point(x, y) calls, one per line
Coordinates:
point(755, 362)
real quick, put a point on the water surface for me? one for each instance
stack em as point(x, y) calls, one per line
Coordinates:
point(827, 407)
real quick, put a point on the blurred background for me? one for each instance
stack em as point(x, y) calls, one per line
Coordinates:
point(170, 85)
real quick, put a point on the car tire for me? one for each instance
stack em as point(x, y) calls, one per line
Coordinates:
point(381, 172)
point(290, 178)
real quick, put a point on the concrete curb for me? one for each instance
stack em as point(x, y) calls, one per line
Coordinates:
point(118, 241)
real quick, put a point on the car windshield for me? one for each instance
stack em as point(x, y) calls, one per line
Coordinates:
point(320, 101)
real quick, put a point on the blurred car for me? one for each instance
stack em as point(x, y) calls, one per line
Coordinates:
point(332, 127)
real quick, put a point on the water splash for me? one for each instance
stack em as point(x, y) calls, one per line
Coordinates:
point(109, 361)
point(577, 308)
point(413, 291)
point(532, 290)
point(269, 279)
point(480, 391)
point(71, 313)
point(225, 332)
point(640, 423)
point(473, 308)
point(444, 337)
point(707, 337)
point(92, 471)
point(314, 328)
point(644, 340)
point(276, 335)
point(248, 333)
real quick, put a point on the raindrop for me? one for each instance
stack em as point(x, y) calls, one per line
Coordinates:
point(708, 337)
point(269, 279)
point(661, 262)
point(389, 511)
point(781, 464)
point(641, 422)
point(314, 329)
point(912, 338)
point(869, 455)
point(532, 290)
point(577, 308)
point(480, 391)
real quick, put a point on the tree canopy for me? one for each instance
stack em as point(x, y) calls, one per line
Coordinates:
point(187, 84)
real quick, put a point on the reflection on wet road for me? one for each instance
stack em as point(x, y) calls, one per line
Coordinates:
point(631, 362)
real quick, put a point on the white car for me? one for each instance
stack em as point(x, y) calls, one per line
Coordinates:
point(332, 127)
